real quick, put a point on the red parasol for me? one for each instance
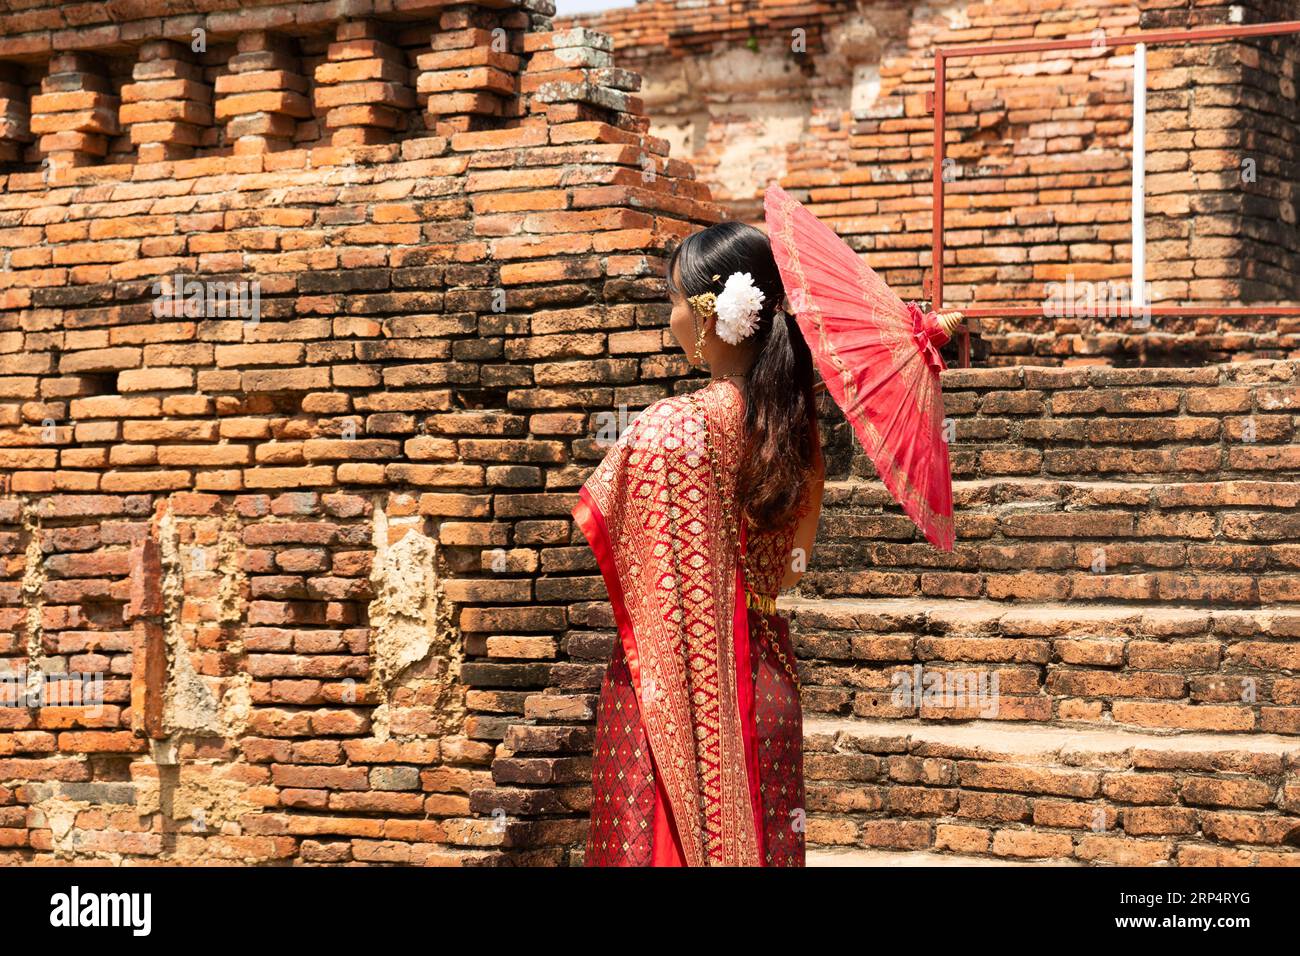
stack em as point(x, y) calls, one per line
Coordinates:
point(878, 356)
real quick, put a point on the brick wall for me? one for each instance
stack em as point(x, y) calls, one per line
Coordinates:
point(315, 544)
point(1040, 146)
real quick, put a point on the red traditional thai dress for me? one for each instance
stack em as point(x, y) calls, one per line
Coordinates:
point(698, 757)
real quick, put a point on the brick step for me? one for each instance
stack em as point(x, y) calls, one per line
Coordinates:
point(1193, 424)
point(1048, 793)
point(1188, 342)
point(1154, 668)
point(838, 856)
point(1221, 542)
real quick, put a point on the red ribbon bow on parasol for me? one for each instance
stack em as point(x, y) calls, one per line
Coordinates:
point(929, 336)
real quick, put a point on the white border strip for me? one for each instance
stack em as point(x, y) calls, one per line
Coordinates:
point(1139, 237)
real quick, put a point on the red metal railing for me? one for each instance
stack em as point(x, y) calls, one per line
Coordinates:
point(941, 57)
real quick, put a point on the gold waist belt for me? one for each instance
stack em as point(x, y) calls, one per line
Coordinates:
point(765, 603)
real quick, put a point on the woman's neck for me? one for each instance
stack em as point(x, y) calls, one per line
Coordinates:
point(731, 362)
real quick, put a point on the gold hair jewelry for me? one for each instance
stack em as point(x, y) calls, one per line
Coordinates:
point(704, 303)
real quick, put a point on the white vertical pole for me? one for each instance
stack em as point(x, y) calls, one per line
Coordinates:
point(1138, 291)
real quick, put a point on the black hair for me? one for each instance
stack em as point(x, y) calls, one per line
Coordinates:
point(779, 409)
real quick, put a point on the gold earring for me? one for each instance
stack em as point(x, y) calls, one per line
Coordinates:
point(699, 341)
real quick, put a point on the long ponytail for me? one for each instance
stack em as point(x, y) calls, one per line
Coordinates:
point(779, 409)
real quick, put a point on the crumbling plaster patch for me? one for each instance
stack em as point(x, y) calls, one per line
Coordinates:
point(411, 623)
point(33, 589)
point(738, 113)
point(196, 703)
point(753, 105)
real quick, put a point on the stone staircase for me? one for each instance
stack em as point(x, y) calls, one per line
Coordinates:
point(1164, 340)
point(1105, 670)
point(841, 856)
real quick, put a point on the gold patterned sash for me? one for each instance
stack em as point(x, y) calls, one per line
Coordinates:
point(672, 574)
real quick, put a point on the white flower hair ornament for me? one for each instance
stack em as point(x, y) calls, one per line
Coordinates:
point(737, 307)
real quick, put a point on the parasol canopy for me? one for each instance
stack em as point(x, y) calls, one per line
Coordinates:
point(878, 356)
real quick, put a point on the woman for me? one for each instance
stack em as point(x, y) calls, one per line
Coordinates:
point(704, 509)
